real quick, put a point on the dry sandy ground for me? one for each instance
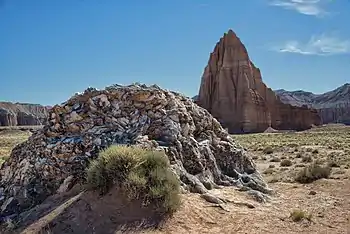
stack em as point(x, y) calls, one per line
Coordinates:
point(330, 209)
point(326, 200)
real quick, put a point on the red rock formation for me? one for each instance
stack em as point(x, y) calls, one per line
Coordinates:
point(232, 90)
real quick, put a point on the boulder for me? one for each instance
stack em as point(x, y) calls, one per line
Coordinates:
point(201, 152)
point(233, 91)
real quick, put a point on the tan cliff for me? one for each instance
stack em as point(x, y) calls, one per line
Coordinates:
point(20, 114)
point(233, 91)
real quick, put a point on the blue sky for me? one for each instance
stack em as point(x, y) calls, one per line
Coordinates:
point(51, 49)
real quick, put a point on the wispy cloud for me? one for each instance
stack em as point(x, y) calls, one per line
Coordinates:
point(306, 7)
point(317, 45)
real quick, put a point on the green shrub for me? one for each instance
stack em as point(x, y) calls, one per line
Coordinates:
point(141, 174)
point(312, 173)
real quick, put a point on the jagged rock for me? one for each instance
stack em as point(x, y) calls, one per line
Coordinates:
point(19, 114)
point(201, 152)
point(333, 106)
point(232, 90)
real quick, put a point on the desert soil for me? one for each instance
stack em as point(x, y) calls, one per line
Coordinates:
point(326, 201)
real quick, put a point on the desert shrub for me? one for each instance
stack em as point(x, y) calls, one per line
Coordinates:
point(315, 151)
point(268, 150)
point(271, 166)
point(274, 179)
point(333, 163)
point(141, 174)
point(275, 159)
point(308, 149)
point(298, 215)
point(269, 171)
point(286, 163)
point(306, 159)
point(312, 173)
point(299, 155)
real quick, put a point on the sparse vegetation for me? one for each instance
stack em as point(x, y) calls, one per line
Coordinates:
point(9, 138)
point(275, 159)
point(313, 172)
point(333, 163)
point(269, 171)
point(141, 174)
point(268, 150)
point(299, 215)
point(286, 163)
point(306, 159)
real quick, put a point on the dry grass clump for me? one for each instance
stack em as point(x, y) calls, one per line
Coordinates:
point(312, 173)
point(299, 215)
point(286, 163)
point(306, 159)
point(269, 171)
point(275, 159)
point(268, 150)
point(141, 174)
point(333, 163)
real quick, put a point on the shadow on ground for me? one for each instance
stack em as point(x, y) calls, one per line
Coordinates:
point(88, 212)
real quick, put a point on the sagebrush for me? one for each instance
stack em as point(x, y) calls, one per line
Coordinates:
point(312, 173)
point(141, 174)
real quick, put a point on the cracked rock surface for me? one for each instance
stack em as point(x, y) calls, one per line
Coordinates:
point(201, 152)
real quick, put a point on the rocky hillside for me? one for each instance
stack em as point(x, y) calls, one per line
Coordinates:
point(201, 152)
point(333, 106)
point(233, 91)
point(20, 114)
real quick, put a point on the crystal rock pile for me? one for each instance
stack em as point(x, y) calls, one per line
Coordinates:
point(201, 152)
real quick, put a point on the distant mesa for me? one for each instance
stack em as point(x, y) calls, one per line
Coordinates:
point(22, 114)
point(333, 106)
point(232, 90)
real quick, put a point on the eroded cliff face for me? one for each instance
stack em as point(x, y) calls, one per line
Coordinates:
point(20, 114)
point(333, 106)
point(233, 91)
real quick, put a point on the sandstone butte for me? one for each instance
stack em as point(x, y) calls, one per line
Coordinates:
point(233, 91)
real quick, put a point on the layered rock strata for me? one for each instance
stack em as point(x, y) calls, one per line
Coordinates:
point(233, 91)
point(21, 114)
point(333, 106)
